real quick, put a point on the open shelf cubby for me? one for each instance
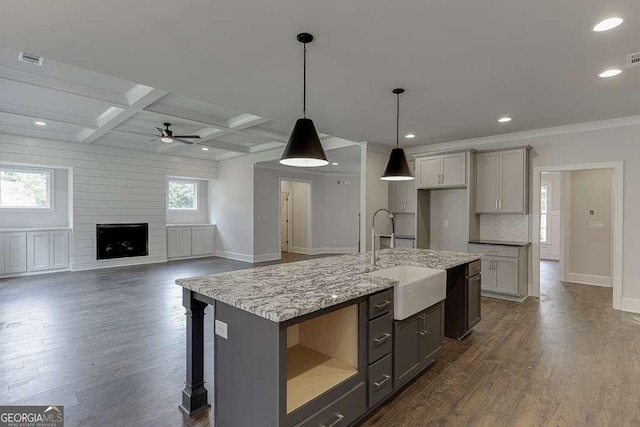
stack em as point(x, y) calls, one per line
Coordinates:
point(321, 353)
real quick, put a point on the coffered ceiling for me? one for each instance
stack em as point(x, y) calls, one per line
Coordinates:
point(464, 64)
point(87, 107)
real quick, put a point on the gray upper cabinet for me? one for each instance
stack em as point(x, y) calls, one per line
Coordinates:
point(402, 196)
point(445, 170)
point(501, 181)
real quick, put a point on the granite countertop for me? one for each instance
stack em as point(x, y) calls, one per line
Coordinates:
point(284, 291)
point(499, 243)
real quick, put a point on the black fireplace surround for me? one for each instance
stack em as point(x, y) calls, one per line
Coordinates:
point(122, 240)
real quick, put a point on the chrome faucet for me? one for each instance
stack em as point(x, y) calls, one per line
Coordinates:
point(373, 234)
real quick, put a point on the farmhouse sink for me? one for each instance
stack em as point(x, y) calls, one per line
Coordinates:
point(418, 288)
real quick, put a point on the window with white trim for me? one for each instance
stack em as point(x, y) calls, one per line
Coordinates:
point(25, 188)
point(182, 195)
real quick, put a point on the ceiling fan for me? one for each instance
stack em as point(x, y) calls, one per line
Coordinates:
point(166, 135)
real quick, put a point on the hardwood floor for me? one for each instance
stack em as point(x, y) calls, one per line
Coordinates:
point(109, 346)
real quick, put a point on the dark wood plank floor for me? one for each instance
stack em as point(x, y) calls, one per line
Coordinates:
point(109, 345)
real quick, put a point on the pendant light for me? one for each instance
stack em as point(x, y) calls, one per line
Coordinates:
point(304, 148)
point(397, 167)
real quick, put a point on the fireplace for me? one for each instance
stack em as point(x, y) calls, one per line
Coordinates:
point(122, 240)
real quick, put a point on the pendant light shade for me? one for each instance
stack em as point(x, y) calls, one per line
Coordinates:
point(397, 167)
point(304, 148)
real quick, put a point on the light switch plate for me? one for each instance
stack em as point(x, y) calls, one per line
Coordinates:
point(446, 223)
point(221, 329)
point(596, 224)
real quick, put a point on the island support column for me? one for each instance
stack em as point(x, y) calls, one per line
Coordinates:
point(194, 395)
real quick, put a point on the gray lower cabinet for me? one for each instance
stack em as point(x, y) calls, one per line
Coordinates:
point(342, 412)
point(417, 340)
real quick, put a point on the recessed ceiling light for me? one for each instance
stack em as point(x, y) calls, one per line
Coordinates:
point(607, 24)
point(610, 73)
point(39, 123)
point(410, 135)
point(335, 163)
point(504, 119)
point(205, 149)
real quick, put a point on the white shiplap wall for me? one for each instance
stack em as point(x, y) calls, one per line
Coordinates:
point(110, 185)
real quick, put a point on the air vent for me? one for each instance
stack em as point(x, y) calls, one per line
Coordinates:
point(633, 60)
point(30, 58)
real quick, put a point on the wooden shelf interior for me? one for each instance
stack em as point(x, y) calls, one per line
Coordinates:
point(321, 353)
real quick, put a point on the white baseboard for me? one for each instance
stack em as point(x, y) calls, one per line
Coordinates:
point(320, 251)
point(267, 257)
point(298, 250)
point(630, 304)
point(234, 255)
point(178, 258)
point(33, 273)
point(123, 264)
point(589, 279)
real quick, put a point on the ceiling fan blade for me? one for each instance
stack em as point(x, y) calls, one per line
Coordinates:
point(183, 141)
point(187, 136)
point(160, 130)
point(151, 140)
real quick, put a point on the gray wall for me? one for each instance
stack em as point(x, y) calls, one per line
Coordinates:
point(449, 205)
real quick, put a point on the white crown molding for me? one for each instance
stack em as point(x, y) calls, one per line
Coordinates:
point(529, 134)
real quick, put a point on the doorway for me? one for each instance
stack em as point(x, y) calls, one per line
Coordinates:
point(577, 216)
point(296, 218)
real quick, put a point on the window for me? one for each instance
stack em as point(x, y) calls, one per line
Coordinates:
point(182, 195)
point(25, 188)
point(544, 203)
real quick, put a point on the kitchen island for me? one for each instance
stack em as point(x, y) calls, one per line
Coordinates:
point(309, 343)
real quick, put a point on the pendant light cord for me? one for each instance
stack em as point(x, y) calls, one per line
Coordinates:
point(398, 121)
point(304, 79)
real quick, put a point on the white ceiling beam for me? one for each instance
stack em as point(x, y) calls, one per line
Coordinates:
point(266, 146)
point(12, 74)
point(244, 121)
point(8, 110)
point(138, 98)
point(194, 118)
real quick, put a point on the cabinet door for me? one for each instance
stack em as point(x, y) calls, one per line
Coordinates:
point(487, 182)
point(432, 333)
point(1, 253)
point(197, 243)
point(59, 249)
point(173, 242)
point(505, 271)
point(411, 195)
point(397, 196)
point(486, 279)
point(38, 250)
point(406, 349)
point(15, 252)
point(512, 181)
point(207, 240)
point(428, 171)
point(473, 301)
point(185, 241)
point(454, 169)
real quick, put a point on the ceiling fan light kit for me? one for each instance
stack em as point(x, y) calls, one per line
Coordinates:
point(397, 167)
point(304, 148)
point(167, 136)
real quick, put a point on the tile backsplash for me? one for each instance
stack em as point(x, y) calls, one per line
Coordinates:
point(405, 224)
point(504, 227)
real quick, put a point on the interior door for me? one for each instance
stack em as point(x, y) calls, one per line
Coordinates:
point(487, 182)
point(429, 171)
point(454, 169)
point(512, 181)
point(284, 222)
point(506, 275)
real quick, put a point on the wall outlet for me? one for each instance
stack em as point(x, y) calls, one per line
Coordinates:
point(446, 223)
point(335, 242)
point(347, 182)
point(221, 329)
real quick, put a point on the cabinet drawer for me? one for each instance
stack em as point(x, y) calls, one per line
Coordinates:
point(474, 268)
point(494, 250)
point(380, 337)
point(380, 303)
point(380, 380)
point(342, 411)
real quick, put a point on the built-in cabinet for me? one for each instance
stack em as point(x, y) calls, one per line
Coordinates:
point(402, 196)
point(417, 340)
point(444, 170)
point(504, 270)
point(463, 303)
point(33, 251)
point(186, 241)
point(501, 181)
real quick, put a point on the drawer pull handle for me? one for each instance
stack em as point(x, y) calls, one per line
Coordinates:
point(382, 305)
point(383, 338)
point(383, 382)
point(335, 422)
